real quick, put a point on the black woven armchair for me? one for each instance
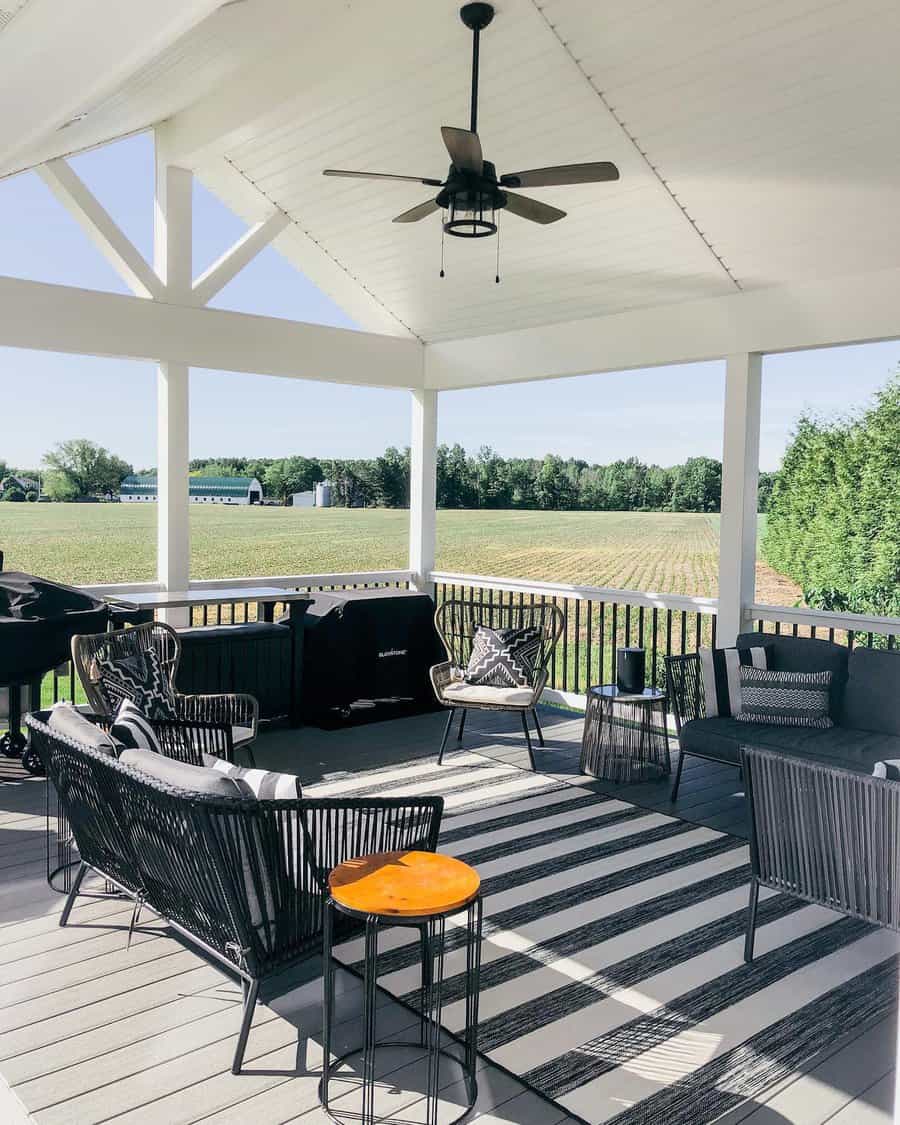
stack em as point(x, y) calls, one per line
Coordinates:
point(686, 701)
point(244, 880)
point(825, 834)
point(457, 621)
point(239, 712)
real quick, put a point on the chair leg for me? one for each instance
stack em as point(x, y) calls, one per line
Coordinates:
point(528, 739)
point(751, 921)
point(537, 725)
point(251, 757)
point(251, 993)
point(462, 724)
point(446, 735)
point(73, 894)
point(674, 794)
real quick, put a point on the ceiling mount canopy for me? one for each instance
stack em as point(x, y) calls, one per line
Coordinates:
point(472, 193)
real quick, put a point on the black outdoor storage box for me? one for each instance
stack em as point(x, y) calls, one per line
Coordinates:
point(375, 646)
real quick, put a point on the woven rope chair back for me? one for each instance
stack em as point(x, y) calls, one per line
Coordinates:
point(118, 645)
point(828, 835)
point(88, 786)
point(457, 622)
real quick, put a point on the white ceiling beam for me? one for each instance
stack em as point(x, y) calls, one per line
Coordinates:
point(847, 310)
point(82, 53)
point(60, 318)
point(257, 238)
point(100, 227)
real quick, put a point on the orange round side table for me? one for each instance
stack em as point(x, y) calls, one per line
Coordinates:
point(420, 890)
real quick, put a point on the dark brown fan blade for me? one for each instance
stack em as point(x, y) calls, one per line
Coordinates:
point(464, 148)
point(599, 173)
point(420, 211)
point(381, 176)
point(532, 209)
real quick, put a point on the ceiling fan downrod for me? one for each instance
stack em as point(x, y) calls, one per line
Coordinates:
point(476, 17)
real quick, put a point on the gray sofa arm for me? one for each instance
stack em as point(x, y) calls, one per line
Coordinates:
point(684, 688)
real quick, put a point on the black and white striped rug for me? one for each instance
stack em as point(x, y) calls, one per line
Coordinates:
point(613, 979)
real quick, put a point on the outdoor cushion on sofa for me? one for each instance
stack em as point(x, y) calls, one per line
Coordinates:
point(193, 779)
point(841, 746)
point(872, 697)
point(461, 692)
point(805, 654)
point(67, 720)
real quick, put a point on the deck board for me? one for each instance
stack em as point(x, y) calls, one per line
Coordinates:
point(91, 1032)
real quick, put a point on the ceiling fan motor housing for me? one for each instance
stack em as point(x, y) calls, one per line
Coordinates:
point(471, 202)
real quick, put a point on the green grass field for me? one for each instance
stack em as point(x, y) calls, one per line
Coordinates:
point(675, 553)
point(82, 543)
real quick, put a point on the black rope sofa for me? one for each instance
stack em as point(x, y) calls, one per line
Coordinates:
point(244, 880)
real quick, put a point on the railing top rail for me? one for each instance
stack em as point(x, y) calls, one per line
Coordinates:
point(821, 618)
point(285, 581)
point(647, 599)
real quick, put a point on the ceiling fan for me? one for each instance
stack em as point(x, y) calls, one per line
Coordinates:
point(472, 193)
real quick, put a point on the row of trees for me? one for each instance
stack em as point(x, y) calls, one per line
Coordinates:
point(488, 480)
point(79, 469)
point(834, 519)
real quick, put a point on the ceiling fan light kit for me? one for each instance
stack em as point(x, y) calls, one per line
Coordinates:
point(472, 195)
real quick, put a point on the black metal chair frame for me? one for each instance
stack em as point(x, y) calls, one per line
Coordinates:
point(686, 701)
point(456, 621)
point(824, 834)
point(234, 710)
point(243, 880)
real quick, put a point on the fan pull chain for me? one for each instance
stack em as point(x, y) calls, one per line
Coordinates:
point(443, 219)
point(497, 275)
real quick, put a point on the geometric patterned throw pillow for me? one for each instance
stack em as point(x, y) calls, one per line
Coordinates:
point(504, 657)
point(141, 679)
point(263, 785)
point(787, 699)
point(721, 668)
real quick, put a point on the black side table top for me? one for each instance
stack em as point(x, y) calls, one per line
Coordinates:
point(611, 692)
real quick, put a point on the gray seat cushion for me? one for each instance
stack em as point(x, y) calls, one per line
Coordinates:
point(805, 654)
point(849, 748)
point(193, 779)
point(69, 721)
point(872, 698)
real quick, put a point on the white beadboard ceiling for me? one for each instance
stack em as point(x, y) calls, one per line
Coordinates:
point(756, 141)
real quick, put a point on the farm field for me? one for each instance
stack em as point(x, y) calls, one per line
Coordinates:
point(674, 553)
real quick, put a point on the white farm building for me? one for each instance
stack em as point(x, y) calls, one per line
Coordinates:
point(142, 488)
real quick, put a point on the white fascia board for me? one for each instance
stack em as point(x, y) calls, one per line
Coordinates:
point(846, 310)
point(62, 318)
point(59, 60)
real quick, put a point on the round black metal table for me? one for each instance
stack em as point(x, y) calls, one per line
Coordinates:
point(624, 736)
point(420, 890)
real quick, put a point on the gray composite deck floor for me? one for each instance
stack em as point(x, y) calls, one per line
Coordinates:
point(91, 1032)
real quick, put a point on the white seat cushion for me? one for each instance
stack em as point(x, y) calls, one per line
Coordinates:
point(460, 692)
point(241, 735)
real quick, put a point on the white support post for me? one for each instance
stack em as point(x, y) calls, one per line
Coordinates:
point(173, 262)
point(740, 476)
point(422, 488)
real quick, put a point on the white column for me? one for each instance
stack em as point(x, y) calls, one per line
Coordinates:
point(422, 487)
point(173, 263)
point(740, 475)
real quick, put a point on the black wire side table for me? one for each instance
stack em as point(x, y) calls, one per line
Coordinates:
point(624, 737)
point(420, 890)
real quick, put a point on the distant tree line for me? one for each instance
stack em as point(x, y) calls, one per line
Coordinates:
point(81, 469)
point(488, 480)
point(834, 516)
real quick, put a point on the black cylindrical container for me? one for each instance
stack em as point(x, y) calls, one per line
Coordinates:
point(630, 668)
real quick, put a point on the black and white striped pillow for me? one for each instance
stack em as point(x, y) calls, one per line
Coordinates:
point(787, 699)
point(721, 668)
point(264, 785)
point(132, 730)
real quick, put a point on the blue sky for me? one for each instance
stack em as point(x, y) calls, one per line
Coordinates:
point(662, 415)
